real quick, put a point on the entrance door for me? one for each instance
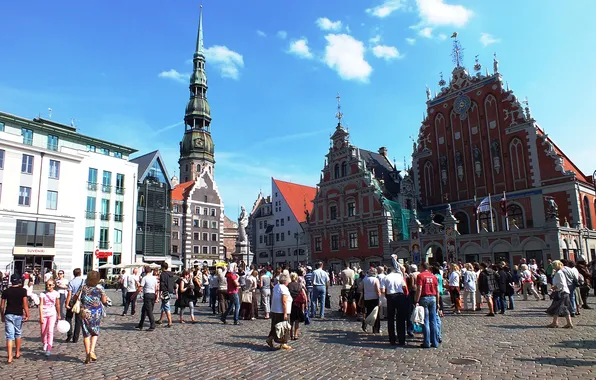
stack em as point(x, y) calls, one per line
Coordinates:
point(438, 255)
point(501, 256)
point(19, 266)
point(472, 258)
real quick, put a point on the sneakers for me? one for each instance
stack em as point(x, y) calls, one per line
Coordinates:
point(138, 327)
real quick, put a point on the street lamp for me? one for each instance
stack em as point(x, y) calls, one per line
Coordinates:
point(297, 236)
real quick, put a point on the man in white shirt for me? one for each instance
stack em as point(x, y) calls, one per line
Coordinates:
point(394, 288)
point(130, 285)
point(150, 287)
point(347, 280)
point(320, 282)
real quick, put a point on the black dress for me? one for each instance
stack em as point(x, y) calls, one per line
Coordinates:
point(296, 314)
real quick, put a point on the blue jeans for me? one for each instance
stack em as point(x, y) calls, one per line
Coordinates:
point(572, 299)
point(430, 328)
point(12, 326)
point(439, 327)
point(319, 293)
point(511, 303)
point(234, 302)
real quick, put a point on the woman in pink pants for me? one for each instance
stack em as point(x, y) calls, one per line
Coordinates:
point(49, 312)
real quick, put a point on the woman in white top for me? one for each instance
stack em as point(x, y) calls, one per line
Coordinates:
point(281, 305)
point(561, 305)
point(469, 279)
point(62, 288)
point(34, 297)
point(454, 277)
point(528, 283)
point(371, 291)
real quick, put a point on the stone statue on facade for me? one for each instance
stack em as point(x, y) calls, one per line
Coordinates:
point(242, 224)
point(552, 210)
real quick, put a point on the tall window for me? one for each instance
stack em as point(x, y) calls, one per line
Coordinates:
point(52, 142)
point(336, 171)
point(92, 179)
point(428, 175)
point(373, 238)
point(213, 237)
point(35, 234)
point(205, 236)
point(318, 244)
point(105, 209)
point(27, 136)
point(205, 248)
point(117, 236)
point(27, 164)
point(90, 211)
point(344, 169)
point(24, 196)
point(587, 213)
point(1, 159)
point(463, 227)
point(119, 183)
point(103, 238)
point(118, 211)
point(106, 182)
point(334, 242)
point(516, 153)
point(214, 225)
point(333, 212)
point(196, 236)
point(176, 222)
point(54, 169)
point(351, 208)
point(87, 262)
point(195, 249)
point(52, 200)
point(353, 237)
point(515, 214)
point(89, 233)
point(214, 250)
point(212, 212)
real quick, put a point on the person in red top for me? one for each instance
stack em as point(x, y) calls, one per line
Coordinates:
point(427, 296)
point(234, 300)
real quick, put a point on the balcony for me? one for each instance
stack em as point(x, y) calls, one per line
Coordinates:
point(27, 141)
point(92, 186)
point(90, 214)
point(120, 190)
point(118, 218)
point(53, 147)
point(104, 244)
point(103, 216)
point(106, 188)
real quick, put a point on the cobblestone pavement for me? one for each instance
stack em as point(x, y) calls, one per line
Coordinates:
point(514, 346)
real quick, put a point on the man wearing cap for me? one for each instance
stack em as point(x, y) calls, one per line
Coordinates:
point(320, 281)
point(13, 311)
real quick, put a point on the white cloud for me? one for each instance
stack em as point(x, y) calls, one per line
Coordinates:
point(375, 40)
point(437, 13)
point(260, 33)
point(487, 39)
point(411, 41)
point(426, 32)
point(282, 34)
point(228, 61)
point(386, 52)
point(300, 48)
point(385, 9)
point(325, 24)
point(345, 55)
point(174, 75)
point(442, 37)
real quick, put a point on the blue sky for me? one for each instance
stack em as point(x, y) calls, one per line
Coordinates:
point(120, 68)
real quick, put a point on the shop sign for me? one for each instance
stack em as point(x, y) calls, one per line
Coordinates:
point(102, 254)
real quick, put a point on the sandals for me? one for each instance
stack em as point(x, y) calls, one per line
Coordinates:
point(551, 326)
point(568, 326)
point(285, 347)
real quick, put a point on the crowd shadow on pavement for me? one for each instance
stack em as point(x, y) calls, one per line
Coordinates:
point(563, 362)
point(249, 345)
point(579, 344)
point(518, 327)
point(30, 354)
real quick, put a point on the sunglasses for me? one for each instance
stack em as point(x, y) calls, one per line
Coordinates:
point(51, 285)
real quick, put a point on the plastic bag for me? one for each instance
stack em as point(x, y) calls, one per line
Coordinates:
point(418, 315)
point(372, 318)
point(383, 301)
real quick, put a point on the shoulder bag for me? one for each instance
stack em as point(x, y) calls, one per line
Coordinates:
point(76, 307)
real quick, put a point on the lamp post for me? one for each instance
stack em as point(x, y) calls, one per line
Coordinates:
point(297, 237)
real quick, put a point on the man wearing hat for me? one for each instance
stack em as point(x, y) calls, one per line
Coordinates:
point(13, 311)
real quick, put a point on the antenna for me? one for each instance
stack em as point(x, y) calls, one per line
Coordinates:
point(50, 113)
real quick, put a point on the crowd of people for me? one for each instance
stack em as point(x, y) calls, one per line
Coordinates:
point(290, 298)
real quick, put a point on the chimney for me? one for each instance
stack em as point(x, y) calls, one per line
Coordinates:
point(383, 151)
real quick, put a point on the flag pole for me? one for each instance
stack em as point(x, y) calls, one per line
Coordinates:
point(476, 214)
point(506, 217)
point(490, 209)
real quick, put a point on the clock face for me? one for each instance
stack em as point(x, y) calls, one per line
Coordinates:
point(337, 143)
point(462, 104)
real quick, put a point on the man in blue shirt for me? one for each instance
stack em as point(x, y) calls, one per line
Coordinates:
point(320, 281)
point(73, 289)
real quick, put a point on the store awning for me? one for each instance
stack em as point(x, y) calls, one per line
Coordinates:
point(154, 258)
point(177, 263)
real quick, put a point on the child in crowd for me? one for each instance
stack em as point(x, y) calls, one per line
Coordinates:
point(49, 310)
point(543, 281)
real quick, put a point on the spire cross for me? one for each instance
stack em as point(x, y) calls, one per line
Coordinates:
point(339, 115)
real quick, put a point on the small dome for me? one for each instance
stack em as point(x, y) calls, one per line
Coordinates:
point(199, 77)
point(198, 106)
point(197, 143)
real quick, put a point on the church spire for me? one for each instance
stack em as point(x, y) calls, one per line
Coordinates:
point(200, 47)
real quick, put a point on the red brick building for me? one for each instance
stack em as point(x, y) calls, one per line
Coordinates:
point(480, 139)
point(362, 204)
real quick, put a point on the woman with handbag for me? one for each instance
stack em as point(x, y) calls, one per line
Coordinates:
point(246, 309)
point(90, 303)
point(186, 296)
point(561, 305)
point(298, 293)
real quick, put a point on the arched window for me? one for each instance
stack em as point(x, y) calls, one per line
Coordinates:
point(428, 185)
point(518, 162)
point(515, 214)
point(186, 167)
point(344, 169)
point(439, 219)
point(198, 168)
point(485, 222)
point(463, 225)
point(587, 213)
point(336, 171)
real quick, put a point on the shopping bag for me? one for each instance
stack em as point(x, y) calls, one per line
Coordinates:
point(372, 317)
point(328, 301)
point(418, 315)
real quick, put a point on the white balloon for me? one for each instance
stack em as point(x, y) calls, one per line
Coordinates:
point(63, 326)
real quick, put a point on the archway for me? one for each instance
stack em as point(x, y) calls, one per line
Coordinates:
point(463, 225)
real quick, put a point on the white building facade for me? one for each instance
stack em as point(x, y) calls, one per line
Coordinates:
point(64, 202)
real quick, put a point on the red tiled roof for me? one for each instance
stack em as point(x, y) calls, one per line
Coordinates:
point(180, 190)
point(295, 196)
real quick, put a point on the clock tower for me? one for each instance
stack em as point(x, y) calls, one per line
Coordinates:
point(196, 147)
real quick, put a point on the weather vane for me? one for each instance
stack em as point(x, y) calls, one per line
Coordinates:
point(458, 52)
point(339, 115)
